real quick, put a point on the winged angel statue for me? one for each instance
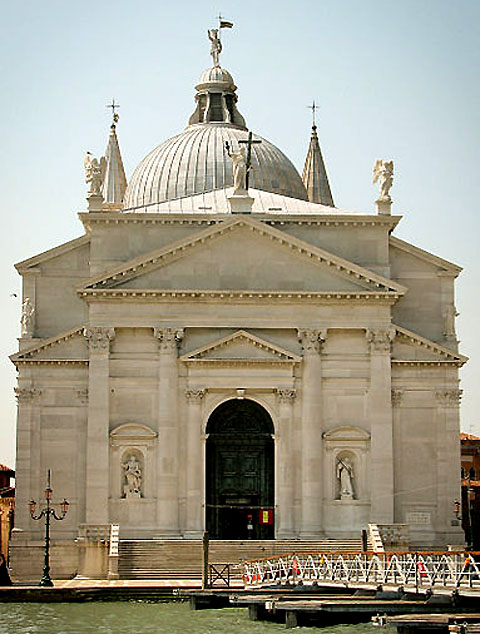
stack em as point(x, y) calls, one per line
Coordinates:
point(94, 173)
point(383, 172)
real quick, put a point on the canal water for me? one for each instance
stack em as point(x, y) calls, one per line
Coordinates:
point(141, 618)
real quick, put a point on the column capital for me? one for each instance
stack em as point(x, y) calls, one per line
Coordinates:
point(194, 394)
point(311, 339)
point(448, 398)
point(169, 338)
point(286, 395)
point(397, 396)
point(99, 338)
point(27, 394)
point(380, 339)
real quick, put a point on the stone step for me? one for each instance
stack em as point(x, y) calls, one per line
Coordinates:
point(182, 559)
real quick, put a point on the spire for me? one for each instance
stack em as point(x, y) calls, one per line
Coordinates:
point(315, 176)
point(115, 182)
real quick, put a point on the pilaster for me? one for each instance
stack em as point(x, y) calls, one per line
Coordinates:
point(27, 470)
point(285, 477)
point(396, 399)
point(448, 455)
point(381, 426)
point(97, 471)
point(169, 339)
point(312, 427)
point(195, 469)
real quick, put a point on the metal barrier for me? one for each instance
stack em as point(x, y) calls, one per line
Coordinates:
point(414, 569)
point(219, 574)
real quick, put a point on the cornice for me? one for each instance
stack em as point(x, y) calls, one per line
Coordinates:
point(183, 295)
point(333, 220)
point(19, 362)
point(432, 362)
point(241, 362)
point(160, 257)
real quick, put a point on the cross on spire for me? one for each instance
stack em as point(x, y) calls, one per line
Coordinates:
point(114, 106)
point(313, 108)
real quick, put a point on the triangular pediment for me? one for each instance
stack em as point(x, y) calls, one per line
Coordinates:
point(241, 253)
point(241, 346)
point(57, 252)
point(421, 254)
point(69, 346)
point(410, 347)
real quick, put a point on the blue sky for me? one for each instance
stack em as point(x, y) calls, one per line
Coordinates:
point(393, 80)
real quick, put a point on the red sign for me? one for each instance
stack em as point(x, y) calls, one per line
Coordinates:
point(265, 516)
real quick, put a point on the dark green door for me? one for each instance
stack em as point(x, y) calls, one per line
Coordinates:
point(240, 471)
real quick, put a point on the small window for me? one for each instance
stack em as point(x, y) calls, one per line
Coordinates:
point(215, 112)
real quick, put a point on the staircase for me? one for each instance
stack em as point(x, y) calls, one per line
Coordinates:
point(182, 558)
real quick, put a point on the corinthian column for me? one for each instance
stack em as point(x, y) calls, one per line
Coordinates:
point(381, 426)
point(29, 480)
point(194, 462)
point(167, 483)
point(312, 427)
point(97, 476)
point(447, 449)
point(285, 467)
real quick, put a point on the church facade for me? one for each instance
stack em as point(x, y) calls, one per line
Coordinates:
point(223, 349)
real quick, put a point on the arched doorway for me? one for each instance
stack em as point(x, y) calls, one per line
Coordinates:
point(240, 472)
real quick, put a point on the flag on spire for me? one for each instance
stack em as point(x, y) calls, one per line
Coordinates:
point(226, 25)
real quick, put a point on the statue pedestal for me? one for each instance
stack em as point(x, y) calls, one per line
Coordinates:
point(384, 206)
point(241, 203)
point(95, 202)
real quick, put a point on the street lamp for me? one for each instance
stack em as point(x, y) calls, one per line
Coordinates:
point(470, 501)
point(47, 512)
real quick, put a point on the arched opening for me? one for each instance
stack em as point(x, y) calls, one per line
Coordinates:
point(240, 472)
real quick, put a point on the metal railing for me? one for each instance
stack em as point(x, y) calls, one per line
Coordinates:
point(413, 569)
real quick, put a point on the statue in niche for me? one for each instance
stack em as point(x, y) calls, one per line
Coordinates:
point(345, 478)
point(94, 173)
point(383, 172)
point(28, 312)
point(133, 478)
point(216, 47)
point(239, 160)
point(449, 314)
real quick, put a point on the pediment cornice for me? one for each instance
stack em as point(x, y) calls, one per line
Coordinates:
point(27, 265)
point(29, 355)
point(363, 278)
point(443, 265)
point(214, 352)
point(444, 354)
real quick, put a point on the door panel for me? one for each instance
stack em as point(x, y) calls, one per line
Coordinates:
point(240, 474)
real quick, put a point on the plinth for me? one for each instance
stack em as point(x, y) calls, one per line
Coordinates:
point(241, 203)
point(384, 206)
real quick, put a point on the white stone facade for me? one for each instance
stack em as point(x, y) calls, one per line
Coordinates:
point(146, 324)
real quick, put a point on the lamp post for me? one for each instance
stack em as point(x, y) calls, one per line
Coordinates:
point(470, 501)
point(47, 512)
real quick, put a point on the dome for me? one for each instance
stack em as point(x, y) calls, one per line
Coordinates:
point(215, 75)
point(196, 161)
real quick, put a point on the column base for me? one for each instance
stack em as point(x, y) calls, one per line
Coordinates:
point(193, 534)
point(310, 536)
point(168, 535)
